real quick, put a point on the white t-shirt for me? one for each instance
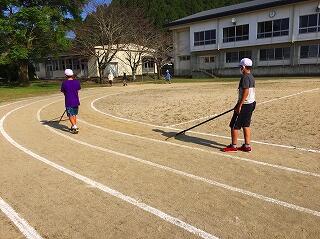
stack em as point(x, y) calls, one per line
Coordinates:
point(247, 82)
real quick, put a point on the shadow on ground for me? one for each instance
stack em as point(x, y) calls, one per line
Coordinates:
point(191, 139)
point(56, 124)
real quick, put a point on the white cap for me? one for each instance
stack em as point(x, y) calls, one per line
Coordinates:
point(68, 72)
point(246, 62)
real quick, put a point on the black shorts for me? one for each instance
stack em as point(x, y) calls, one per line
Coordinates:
point(244, 118)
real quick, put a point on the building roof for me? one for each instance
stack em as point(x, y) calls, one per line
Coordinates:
point(231, 10)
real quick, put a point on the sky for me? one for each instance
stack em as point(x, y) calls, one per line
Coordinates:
point(88, 8)
point(91, 6)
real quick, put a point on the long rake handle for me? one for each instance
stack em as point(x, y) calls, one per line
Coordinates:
point(62, 116)
point(217, 116)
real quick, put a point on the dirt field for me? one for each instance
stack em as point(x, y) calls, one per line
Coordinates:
point(119, 178)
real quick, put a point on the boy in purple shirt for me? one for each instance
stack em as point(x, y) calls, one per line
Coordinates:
point(70, 88)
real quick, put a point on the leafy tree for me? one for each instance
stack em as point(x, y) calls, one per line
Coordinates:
point(164, 11)
point(30, 30)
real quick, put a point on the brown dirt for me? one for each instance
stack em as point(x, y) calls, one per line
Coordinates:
point(59, 206)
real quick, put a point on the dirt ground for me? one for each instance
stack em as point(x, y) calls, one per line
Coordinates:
point(292, 121)
point(273, 192)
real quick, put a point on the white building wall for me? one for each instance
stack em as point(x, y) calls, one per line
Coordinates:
point(291, 11)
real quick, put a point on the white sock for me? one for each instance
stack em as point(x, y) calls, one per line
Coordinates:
point(74, 127)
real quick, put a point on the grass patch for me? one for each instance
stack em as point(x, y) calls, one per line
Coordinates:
point(36, 88)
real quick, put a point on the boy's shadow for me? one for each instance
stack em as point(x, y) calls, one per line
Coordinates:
point(192, 139)
point(55, 124)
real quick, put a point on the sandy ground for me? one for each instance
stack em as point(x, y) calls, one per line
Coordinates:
point(60, 206)
point(290, 121)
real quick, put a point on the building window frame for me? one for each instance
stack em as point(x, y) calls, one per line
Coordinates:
point(309, 23)
point(236, 33)
point(184, 58)
point(236, 56)
point(274, 54)
point(273, 28)
point(306, 51)
point(208, 37)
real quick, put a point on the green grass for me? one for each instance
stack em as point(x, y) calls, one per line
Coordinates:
point(36, 88)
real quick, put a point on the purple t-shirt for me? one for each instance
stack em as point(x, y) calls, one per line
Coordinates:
point(70, 89)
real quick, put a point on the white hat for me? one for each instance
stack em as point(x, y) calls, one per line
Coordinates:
point(68, 72)
point(246, 62)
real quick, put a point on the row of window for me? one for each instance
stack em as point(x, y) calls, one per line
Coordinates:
point(268, 54)
point(274, 28)
point(59, 65)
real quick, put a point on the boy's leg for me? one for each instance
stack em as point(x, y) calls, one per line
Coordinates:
point(234, 136)
point(73, 120)
point(247, 135)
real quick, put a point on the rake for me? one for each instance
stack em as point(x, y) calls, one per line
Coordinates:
point(206, 121)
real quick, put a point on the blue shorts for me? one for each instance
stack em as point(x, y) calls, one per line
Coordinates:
point(72, 111)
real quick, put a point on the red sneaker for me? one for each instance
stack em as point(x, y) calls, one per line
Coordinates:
point(230, 148)
point(245, 148)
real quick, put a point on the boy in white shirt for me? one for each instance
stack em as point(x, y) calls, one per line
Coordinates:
point(243, 109)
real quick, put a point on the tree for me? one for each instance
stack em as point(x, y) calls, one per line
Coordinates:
point(162, 49)
point(140, 36)
point(30, 30)
point(102, 35)
point(161, 12)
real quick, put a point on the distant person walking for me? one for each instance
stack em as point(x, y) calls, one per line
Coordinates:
point(70, 88)
point(168, 77)
point(125, 79)
point(244, 108)
point(110, 78)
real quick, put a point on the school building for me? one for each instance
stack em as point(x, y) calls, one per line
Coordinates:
point(87, 67)
point(282, 37)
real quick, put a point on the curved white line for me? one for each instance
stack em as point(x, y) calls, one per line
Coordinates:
point(261, 103)
point(95, 184)
point(195, 177)
point(24, 227)
point(206, 151)
point(195, 132)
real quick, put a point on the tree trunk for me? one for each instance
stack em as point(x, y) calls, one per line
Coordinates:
point(134, 74)
point(23, 73)
point(100, 75)
point(158, 71)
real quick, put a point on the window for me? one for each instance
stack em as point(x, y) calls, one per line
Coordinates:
point(37, 67)
point(309, 23)
point(273, 28)
point(184, 58)
point(235, 57)
point(272, 54)
point(207, 59)
point(68, 63)
point(76, 64)
point(149, 64)
point(56, 65)
point(236, 33)
point(63, 64)
point(311, 51)
point(205, 38)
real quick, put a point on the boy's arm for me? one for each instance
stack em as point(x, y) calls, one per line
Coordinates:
point(245, 94)
point(62, 88)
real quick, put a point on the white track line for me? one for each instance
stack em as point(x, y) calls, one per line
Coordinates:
point(288, 96)
point(192, 148)
point(196, 132)
point(206, 151)
point(262, 103)
point(175, 221)
point(28, 231)
point(195, 177)
point(253, 141)
point(12, 103)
